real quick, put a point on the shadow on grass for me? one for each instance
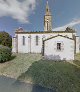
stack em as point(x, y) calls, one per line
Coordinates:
point(38, 74)
point(58, 76)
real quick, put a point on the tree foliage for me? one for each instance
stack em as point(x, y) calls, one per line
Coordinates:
point(5, 39)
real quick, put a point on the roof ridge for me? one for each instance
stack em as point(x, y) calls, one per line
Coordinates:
point(57, 36)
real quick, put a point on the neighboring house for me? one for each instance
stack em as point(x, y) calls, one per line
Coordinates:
point(52, 44)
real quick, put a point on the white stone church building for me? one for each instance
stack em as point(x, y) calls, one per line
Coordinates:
point(56, 45)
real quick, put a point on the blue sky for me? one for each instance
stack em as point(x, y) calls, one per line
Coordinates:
point(29, 14)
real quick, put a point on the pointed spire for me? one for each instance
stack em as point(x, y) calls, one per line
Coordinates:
point(47, 9)
point(47, 2)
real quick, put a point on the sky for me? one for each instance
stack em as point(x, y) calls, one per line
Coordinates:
point(29, 14)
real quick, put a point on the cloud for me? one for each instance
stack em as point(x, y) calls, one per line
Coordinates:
point(17, 9)
point(71, 24)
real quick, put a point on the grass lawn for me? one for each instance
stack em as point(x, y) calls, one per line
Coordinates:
point(77, 61)
point(19, 64)
point(62, 76)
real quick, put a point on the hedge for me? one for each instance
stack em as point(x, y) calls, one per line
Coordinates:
point(5, 53)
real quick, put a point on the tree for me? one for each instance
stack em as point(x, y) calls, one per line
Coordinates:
point(5, 39)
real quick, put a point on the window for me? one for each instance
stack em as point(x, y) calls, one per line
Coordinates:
point(23, 40)
point(58, 46)
point(43, 37)
point(37, 40)
point(47, 9)
point(47, 25)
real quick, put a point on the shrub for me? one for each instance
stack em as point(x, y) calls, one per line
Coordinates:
point(5, 54)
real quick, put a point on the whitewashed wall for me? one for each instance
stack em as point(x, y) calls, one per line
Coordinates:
point(77, 44)
point(51, 52)
point(30, 46)
point(22, 48)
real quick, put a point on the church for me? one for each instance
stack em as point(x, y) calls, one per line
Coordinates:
point(53, 45)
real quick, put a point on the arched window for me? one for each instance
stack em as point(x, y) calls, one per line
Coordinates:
point(23, 40)
point(37, 40)
point(47, 25)
point(29, 43)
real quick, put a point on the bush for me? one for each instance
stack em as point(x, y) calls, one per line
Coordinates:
point(5, 54)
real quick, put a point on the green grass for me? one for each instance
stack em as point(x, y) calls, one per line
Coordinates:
point(77, 56)
point(77, 61)
point(61, 76)
point(18, 64)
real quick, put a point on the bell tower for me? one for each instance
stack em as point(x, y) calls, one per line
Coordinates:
point(47, 19)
